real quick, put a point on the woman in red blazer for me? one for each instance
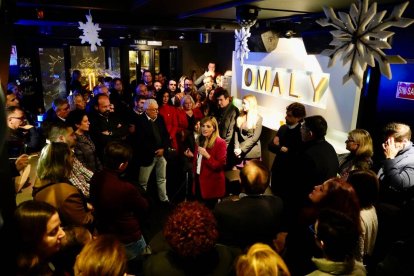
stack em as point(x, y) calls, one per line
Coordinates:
point(209, 161)
point(169, 114)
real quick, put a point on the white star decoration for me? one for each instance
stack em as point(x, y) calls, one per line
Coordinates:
point(90, 33)
point(360, 37)
point(241, 47)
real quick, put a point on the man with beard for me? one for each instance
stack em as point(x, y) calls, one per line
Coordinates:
point(105, 126)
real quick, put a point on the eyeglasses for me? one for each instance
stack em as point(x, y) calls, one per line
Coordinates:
point(153, 109)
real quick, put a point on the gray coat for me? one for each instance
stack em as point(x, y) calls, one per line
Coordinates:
point(397, 176)
point(248, 140)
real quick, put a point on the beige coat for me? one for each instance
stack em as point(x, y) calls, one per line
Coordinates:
point(68, 200)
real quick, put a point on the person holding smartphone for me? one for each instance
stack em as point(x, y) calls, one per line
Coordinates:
point(210, 72)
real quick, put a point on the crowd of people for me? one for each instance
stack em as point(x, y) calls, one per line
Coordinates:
point(107, 158)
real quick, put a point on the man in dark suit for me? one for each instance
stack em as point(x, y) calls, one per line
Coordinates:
point(286, 144)
point(315, 163)
point(254, 216)
point(22, 137)
point(58, 112)
point(152, 142)
point(226, 119)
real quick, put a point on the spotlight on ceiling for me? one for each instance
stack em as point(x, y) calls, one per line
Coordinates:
point(181, 36)
point(246, 15)
point(289, 33)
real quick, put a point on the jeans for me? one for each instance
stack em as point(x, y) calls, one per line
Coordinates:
point(135, 249)
point(160, 173)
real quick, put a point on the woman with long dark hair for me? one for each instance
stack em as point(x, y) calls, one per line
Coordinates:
point(85, 150)
point(169, 114)
point(39, 237)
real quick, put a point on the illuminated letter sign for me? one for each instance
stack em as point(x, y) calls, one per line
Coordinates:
point(308, 87)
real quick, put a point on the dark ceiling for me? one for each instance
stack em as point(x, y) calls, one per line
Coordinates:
point(161, 18)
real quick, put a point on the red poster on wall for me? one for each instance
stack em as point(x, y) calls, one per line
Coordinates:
point(405, 90)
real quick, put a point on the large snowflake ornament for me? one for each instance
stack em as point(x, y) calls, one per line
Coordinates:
point(360, 37)
point(241, 47)
point(90, 33)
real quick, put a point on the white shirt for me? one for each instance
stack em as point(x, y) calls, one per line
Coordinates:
point(199, 158)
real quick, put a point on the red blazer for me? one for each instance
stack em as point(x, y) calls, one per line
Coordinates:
point(169, 113)
point(211, 178)
point(182, 118)
point(182, 129)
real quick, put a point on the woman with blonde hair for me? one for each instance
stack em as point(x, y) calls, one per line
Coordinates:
point(55, 163)
point(247, 132)
point(179, 93)
point(359, 144)
point(261, 260)
point(186, 117)
point(209, 161)
point(104, 255)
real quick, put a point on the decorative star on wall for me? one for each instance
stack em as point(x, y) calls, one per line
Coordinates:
point(360, 37)
point(90, 33)
point(241, 47)
point(52, 64)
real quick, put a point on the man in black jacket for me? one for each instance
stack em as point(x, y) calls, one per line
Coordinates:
point(315, 163)
point(106, 126)
point(286, 144)
point(226, 119)
point(152, 142)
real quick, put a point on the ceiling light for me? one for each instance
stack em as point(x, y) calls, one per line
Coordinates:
point(289, 33)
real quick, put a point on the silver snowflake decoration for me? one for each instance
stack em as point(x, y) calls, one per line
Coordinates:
point(241, 47)
point(360, 37)
point(90, 33)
